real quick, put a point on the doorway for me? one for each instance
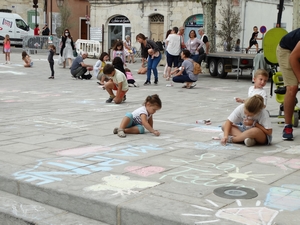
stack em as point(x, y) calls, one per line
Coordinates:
point(157, 27)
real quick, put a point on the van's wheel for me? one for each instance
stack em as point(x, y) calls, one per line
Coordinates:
point(220, 69)
point(213, 67)
point(296, 119)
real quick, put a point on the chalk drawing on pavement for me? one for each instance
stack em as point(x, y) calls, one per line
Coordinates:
point(280, 162)
point(212, 145)
point(19, 209)
point(120, 184)
point(249, 215)
point(144, 171)
point(201, 172)
point(286, 197)
point(96, 159)
point(207, 128)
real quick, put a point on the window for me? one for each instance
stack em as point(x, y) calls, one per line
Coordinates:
point(21, 24)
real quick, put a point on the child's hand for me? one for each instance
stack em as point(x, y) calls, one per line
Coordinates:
point(156, 133)
point(223, 141)
point(239, 100)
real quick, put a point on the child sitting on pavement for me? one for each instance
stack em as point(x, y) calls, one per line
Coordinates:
point(130, 79)
point(260, 79)
point(26, 59)
point(116, 82)
point(141, 118)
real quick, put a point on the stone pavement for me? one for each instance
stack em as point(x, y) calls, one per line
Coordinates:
point(59, 156)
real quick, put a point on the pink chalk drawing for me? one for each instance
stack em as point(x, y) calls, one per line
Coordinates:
point(144, 171)
point(249, 216)
point(82, 151)
point(286, 197)
point(282, 163)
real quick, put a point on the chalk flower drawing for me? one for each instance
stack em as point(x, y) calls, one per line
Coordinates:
point(248, 216)
point(121, 185)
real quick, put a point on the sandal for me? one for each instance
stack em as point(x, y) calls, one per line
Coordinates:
point(191, 86)
point(115, 131)
point(121, 133)
point(184, 86)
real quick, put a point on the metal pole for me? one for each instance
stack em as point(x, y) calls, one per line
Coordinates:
point(51, 17)
point(35, 16)
point(279, 13)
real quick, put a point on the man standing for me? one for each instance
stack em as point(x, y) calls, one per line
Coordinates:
point(205, 48)
point(288, 56)
point(181, 33)
point(79, 68)
point(36, 30)
point(45, 30)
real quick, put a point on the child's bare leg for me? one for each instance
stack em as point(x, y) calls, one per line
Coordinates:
point(168, 72)
point(132, 130)
point(256, 45)
point(254, 133)
point(109, 88)
point(8, 56)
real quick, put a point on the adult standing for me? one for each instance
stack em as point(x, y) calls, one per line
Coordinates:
point(45, 30)
point(36, 30)
point(173, 50)
point(165, 47)
point(194, 45)
point(128, 49)
point(153, 60)
point(67, 48)
point(79, 68)
point(205, 48)
point(288, 55)
point(181, 33)
point(185, 74)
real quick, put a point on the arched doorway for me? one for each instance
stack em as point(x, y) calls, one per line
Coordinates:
point(157, 27)
point(194, 22)
point(118, 28)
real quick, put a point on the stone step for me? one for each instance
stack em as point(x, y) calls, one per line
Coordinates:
point(15, 210)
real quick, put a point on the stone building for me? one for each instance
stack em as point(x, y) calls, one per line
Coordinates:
point(154, 17)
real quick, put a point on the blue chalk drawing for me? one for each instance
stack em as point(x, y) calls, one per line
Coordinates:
point(286, 197)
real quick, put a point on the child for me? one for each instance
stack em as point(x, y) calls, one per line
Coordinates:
point(253, 39)
point(6, 49)
point(130, 79)
point(143, 68)
point(98, 68)
point(52, 51)
point(118, 51)
point(26, 59)
point(237, 47)
point(116, 82)
point(152, 53)
point(260, 79)
point(141, 118)
point(119, 64)
point(260, 133)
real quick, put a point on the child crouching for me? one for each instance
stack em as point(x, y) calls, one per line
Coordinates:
point(117, 82)
point(141, 118)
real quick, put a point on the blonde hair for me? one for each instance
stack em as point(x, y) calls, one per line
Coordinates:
point(262, 72)
point(254, 104)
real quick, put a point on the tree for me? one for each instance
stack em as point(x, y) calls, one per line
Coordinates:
point(209, 16)
point(65, 21)
point(230, 26)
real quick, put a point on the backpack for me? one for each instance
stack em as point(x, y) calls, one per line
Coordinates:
point(197, 68)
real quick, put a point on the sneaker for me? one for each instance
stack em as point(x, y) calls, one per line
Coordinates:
point(147, 82)
point(156, 81)
point(249, 142)
point(51, 77)
point(135, 84)
point(124, 98)
point(229, 139)
point(287, 133)
point(110, 99)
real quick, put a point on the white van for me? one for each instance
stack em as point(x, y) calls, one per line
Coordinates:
point(13, 25)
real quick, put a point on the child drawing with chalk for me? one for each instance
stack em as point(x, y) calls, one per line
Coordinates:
point(141, 118)
point(260, 132)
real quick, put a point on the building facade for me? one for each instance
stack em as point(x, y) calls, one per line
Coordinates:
point(48, 12)
point(154, 17)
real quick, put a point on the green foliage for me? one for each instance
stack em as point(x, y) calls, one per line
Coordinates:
point(230, 26)
point(65, 14)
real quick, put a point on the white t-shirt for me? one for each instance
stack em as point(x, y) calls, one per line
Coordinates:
point(137, 115)
point(238, 116)
point(258, 91)
point(119, 77)
point(174, 44)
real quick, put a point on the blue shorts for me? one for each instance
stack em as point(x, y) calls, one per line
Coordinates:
point(243, 128)
point(131, 124)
